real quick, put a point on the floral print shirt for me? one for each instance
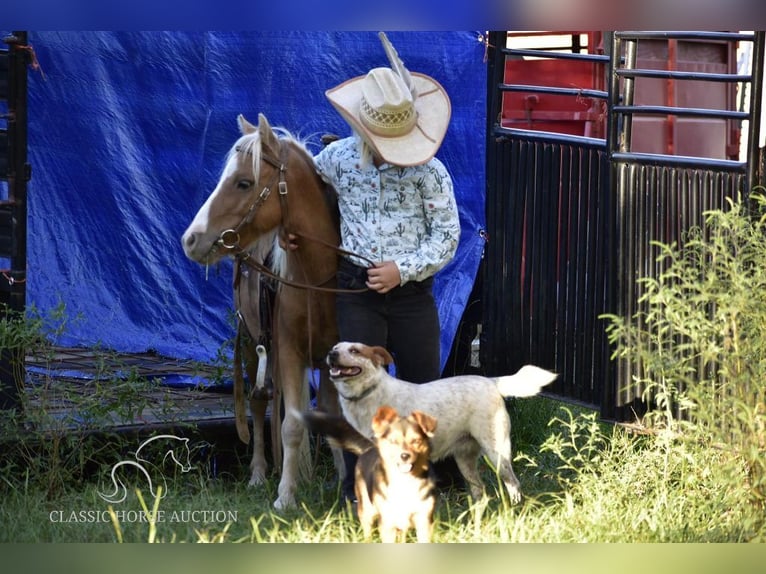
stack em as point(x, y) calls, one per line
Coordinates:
point(404, 214)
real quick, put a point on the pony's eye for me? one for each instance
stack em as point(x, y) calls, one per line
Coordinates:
point(244, 184)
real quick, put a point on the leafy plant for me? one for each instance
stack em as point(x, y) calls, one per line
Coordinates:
point(699, 343)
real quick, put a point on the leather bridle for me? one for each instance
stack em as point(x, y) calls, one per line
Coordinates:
point(229, 238)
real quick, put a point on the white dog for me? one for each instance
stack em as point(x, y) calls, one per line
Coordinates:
point(469, 409)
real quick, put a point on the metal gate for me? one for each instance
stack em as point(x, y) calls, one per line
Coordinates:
point(571, 217)
point(14, 174)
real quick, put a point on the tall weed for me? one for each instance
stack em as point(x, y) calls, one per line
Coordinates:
point(699, 343)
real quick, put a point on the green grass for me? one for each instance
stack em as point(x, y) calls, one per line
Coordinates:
point(584, 481)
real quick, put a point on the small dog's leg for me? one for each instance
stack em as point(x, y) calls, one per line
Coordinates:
point(388, 532)
point(424, 528)
point(366, 521)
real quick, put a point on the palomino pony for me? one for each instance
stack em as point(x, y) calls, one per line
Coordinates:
point(268, 189)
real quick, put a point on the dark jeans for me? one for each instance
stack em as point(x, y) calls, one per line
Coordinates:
point(405, 321)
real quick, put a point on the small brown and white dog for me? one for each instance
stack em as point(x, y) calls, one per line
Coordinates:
point(472, 416)
point(393, 481)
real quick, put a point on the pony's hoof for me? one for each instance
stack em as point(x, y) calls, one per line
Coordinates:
point(257, 479)
point(284, 503)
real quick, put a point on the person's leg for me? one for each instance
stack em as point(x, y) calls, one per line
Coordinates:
point(413, 332)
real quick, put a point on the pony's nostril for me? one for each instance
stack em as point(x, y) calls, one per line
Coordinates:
point(190, 239)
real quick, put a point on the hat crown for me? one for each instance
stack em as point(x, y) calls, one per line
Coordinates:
point(387, 105)
point(402, 115)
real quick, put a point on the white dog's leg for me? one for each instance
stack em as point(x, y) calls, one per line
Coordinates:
point(467, 459)
point(512, 484)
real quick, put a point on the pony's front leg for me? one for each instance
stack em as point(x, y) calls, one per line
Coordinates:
point(296, 459)
point(258, 466)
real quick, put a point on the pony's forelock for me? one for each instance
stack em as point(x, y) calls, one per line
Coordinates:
point(251, 144)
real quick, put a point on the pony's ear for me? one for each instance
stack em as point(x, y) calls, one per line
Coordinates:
point(269, 139)
point(244, 126)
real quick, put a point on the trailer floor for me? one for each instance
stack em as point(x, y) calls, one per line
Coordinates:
point(94, 390)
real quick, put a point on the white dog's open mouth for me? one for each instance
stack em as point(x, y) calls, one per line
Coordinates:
point(337, 371)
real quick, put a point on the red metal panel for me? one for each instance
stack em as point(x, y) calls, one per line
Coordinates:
point(581, 116)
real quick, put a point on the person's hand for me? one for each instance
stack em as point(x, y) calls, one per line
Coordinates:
point(383, 277)
point(291, 244)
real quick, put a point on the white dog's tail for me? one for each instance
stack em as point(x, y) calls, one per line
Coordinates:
point(527, 382)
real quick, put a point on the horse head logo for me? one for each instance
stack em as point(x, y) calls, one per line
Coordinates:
point(177, 449)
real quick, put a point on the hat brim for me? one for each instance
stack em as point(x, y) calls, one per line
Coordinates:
point(417, 147)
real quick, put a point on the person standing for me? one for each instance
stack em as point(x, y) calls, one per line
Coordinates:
point(398, 214)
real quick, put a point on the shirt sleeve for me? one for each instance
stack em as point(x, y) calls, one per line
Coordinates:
point(323, 164)
point(439, 244)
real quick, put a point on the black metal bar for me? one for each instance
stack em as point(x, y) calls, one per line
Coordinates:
point(541, 136)
point(676, 111)
point(612, 137)
point(556, 55)
point(600, 94)
point(631, 49)
point(680, 161)
point(573, 270)
point(494, 332)
point(684, 35)
point(563, 384)
point(13, 298)
point(678, 75)
point(754, 177)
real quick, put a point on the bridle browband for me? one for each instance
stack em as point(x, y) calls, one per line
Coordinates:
point(229, 238)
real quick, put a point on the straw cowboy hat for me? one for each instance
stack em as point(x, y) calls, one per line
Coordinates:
point(403, 115)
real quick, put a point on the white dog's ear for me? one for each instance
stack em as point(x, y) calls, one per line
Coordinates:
point(381, 357)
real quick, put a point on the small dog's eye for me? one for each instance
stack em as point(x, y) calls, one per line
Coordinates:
point(353, 351)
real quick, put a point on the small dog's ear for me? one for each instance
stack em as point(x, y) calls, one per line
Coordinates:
point(383, 419)
point(381, 356)
point(426, 422)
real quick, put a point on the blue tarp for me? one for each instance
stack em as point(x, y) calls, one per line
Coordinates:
point(127, 135)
